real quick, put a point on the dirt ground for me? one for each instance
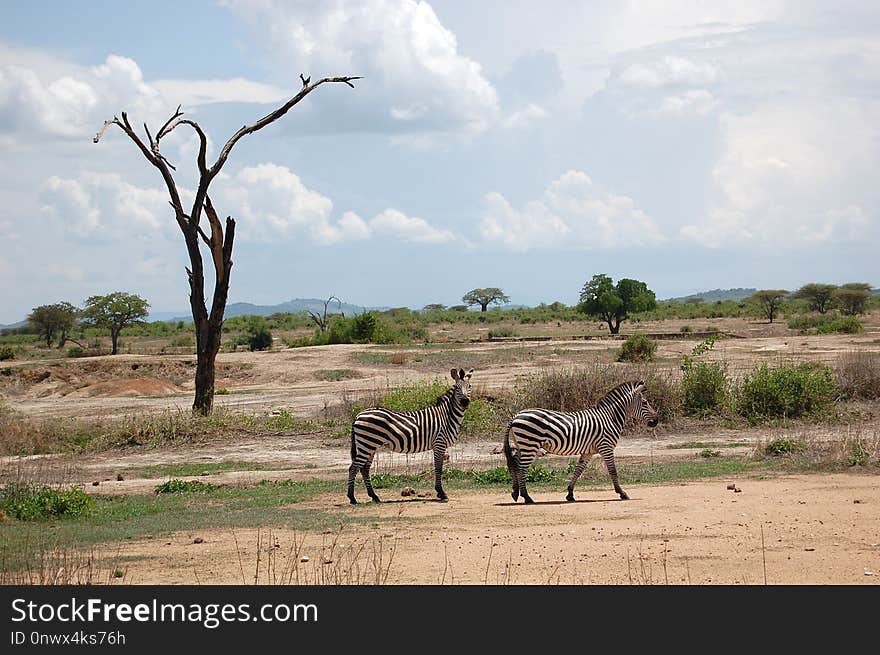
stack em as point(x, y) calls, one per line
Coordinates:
point(804, 529)
point(817, 529)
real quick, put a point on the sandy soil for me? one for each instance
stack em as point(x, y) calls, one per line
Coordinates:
point(817, 529)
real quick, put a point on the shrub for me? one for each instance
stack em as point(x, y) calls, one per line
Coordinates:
point(501, 332)
point(400, 358)
point(567, 390)
point(27, 502)
point(6, 352)
point(414, 396)
point(831, 323)
point(685, 329)
point(637, 348)
point(184, 486)
point(710, 452)
point(704, 388)
point(260, 339)
point(786, 392)
point(75, 351)
point(363, 326)
point(858, 375)
point(783, 446)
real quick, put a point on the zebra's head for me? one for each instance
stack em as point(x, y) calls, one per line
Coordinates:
point(461, 392)
point(640, 408)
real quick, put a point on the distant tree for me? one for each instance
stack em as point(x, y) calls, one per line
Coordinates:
point(458, 308)
point(769, 300)
point(321, 320)
point(613, 303)
point(485, 297)
point(557, 306)
point(434, 307)
point(818, 295)
point(114, 312)
point(259, 337)
point(852, 298)
point(694, 300)
point(49, 319)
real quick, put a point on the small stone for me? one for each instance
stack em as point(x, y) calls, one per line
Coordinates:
point(868, 572)
point(204, 473)
point(95, 483)
point(407, 491)
point(857, 501)
point(809, 549)
point(737, 490)
point(304, 558)
point(731, 486)
point(198, 540)
point(119, 477)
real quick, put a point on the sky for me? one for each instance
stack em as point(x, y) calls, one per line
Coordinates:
point(500, 143)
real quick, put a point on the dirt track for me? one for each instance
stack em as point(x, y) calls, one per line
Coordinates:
point(817, 529)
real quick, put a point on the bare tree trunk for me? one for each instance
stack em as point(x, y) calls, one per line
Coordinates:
point(114, 340)
point(209, 326)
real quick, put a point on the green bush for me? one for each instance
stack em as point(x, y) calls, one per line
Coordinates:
point(704, 388)
point(27, 502)
point(786, 392)
point(414, 396)
point(831, 323)
point(6, 352)
point(363, 326)
point(260, 339)
point(782, 446)
point(75, 351)
point(637, 348)
point(710, 452)
point(184, 486)
point(501, 332)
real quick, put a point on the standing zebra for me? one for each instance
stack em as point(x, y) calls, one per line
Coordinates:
point(433, 428)
point(584, 432)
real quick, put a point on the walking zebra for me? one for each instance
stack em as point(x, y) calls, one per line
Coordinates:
point(433, 428)
point(585, 432)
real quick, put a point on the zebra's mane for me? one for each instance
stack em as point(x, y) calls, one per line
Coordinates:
point(609, 397)
point(446, 395)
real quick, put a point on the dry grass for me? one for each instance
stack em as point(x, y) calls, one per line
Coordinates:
point(858, 375)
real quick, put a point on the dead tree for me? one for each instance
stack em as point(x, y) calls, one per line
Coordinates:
point(219, 240)
point(321, 319)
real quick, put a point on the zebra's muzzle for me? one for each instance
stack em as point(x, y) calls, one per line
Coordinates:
point(465, 402)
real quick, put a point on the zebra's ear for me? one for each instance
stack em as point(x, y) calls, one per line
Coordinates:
point(455, 374)
point(469, 374)
point(640, 387)
point(461, 374)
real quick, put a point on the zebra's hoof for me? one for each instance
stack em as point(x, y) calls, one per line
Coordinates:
point(376, 499)
point(623, 496)
point(443, 499)
point(528, 500)
point(515, 496)
point(352, 501)
point(570, 498)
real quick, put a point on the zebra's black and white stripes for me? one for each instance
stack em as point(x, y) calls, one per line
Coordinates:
point(584, 433)
point(433, 428)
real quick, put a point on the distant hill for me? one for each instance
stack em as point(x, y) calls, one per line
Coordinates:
point(718, 294)
point(292, 306)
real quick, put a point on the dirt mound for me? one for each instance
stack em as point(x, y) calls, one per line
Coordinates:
point(126, 389)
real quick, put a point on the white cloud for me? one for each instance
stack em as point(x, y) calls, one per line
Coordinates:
point(75, 104)
point(415, 229)
point(190, 93)
point(271, 202)
point(696, 101)
point(792, 172)
point(668, 71)
point(414, 77)
point(105, 207)
point(525, 117)
point(572, 214)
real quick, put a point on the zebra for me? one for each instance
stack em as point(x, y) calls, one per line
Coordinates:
point(433, 428)
point(585, 432)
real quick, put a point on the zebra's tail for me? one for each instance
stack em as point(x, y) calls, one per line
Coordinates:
point(353, 449)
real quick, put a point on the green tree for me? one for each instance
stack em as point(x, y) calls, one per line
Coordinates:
point(49, 319)
point(819, 296)
point(485, 297)
point(613, 303)
point(769, 300)
point(852, 298)
point(434, 307)
point(114, 312)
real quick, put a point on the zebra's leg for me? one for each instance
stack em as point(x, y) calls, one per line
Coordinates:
point(365, 472)
point(352, 474)
point(525, 460)
point(581, 465)
point(439, 453)
point(608, 456)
